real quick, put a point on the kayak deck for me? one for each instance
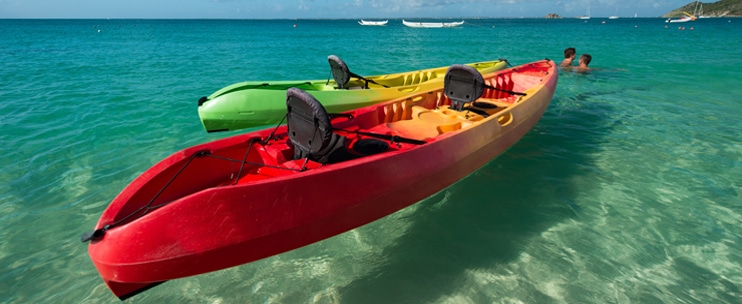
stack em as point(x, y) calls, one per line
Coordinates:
point(404, 118)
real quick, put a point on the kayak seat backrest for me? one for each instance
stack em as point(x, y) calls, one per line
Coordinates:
point(463, 84)
point(309, 125)
point(340, 71)
point(310, 131)
point(341, 74)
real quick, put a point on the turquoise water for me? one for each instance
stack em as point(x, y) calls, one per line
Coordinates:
point(627, 191)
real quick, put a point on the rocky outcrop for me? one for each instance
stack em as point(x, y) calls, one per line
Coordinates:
point(726, 8)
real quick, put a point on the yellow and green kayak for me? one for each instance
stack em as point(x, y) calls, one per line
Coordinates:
point(258, 103)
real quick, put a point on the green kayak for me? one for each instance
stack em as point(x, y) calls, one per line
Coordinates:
point(258, 103)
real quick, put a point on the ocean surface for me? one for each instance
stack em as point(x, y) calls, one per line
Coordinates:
point(627, 191)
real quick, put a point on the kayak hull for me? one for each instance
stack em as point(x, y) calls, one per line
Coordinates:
point(207, 220)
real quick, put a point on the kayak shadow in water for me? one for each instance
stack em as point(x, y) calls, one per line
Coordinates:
point(488, 219)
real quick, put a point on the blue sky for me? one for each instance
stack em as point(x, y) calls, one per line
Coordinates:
point(280, 9)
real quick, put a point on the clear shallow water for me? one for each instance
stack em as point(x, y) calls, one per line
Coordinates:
point(627, 191)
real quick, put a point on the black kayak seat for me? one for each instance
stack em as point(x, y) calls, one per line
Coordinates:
point(342, 74)
point(463, 84)
point(310, 132)
point(340, 71)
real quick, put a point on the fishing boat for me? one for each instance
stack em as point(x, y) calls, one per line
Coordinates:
point(259, 103)
point(247, 197)
point(431, 24)
point(373, 23)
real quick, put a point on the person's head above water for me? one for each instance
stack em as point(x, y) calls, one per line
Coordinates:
point(569, 52)
point(585, 60)
point(569, 56)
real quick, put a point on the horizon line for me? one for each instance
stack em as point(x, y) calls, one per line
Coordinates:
point(398, 18)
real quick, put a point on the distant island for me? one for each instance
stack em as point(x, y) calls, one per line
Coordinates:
point(723, 8)
point(553, 16)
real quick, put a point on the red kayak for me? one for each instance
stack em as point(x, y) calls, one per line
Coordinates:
point(251, 196)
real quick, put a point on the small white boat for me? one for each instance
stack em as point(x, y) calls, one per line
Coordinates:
point(585, 17)
point(374, 23)
point(432, 24)
point(681, 19)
